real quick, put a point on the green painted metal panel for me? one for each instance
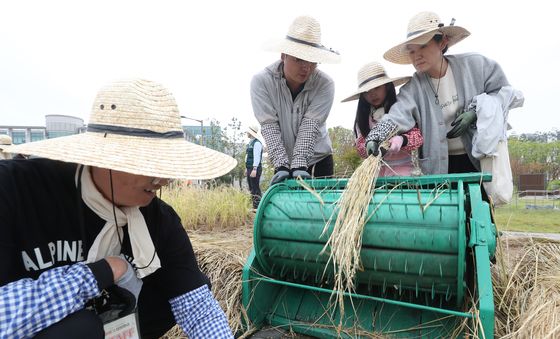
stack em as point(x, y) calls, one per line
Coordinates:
point(413, 256)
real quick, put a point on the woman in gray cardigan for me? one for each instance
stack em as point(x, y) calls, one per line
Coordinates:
point(438, 97)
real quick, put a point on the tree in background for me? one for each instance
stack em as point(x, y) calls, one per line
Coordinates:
point(535, 154)
point(346, 158)
point(215, 140)
point(235, 146)
point(549, 136)
point(228, 140)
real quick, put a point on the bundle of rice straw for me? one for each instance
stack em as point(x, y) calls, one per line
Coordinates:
point(526, 282)
point(221, 256)
point(345, 241)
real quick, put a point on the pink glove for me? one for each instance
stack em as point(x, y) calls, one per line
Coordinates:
point(395, 144)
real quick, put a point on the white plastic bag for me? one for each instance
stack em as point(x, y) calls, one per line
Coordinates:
point(500, 189)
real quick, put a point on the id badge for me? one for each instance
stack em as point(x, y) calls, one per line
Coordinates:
point(123, 328)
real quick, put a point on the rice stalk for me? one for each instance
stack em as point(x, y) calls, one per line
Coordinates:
point(310, 189)
point(527, 299)
point(436, 192)
point(345, 240)
point(217, 208)
point(221, 257)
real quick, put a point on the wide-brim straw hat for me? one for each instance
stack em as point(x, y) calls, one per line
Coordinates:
point(303, 41)
point(373, 75)
point(134, 127)
point(421, 29)
point(5, 141)
point(254, 131)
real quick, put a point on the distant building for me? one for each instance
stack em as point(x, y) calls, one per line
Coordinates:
point(56, 126)
point(531, 184)
point(23, 134)
point(205, 135)
point(63, 125)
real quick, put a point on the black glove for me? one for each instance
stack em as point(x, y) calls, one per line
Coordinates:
point(301, 173)
point(461, 124)
point(373, 148)
point(121, 299)
point(115, 302)
point(282, 173)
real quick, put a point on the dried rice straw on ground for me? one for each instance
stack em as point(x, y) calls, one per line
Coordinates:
point(221, 257)
point(526, 281)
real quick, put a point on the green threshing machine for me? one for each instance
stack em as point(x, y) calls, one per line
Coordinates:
point(426, 253)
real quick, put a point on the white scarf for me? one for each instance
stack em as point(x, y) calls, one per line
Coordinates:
point(107, 241)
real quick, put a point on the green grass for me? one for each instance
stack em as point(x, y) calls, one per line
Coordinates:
point(516, 217)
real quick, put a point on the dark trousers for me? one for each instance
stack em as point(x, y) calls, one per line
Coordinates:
point(154, 313)
point(254, 186)
point(323, 168)
point(460, 164)
point(82, 324)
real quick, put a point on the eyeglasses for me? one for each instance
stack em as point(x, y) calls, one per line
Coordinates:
point(161, 181)
point(302, 62)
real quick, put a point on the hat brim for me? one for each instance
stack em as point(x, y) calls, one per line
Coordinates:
point(162, 158)
point(376, 83)
point(302, 51)
point(255, 135)
point(399, 54)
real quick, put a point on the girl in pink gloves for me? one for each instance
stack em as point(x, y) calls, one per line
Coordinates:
point(376, 94)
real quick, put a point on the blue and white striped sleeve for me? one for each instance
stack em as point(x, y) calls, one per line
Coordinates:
point(28, 306)
point(200, 315)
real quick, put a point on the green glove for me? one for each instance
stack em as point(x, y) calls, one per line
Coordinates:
point(461, 124)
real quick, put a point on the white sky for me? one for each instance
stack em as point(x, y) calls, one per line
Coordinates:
point(55, 55)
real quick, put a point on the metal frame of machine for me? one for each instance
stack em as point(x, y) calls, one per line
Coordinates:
point(405, 290)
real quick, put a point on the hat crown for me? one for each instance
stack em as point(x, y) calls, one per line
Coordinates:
point(5, 139)
point(254, 129)
point(136, 103)
point(422, 22)
point(305, 28)
point(369, 71)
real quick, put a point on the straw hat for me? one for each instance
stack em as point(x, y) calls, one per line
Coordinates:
point(373, 75)
point(421, 29)
point(5, 141)
point(254, 131)
point(134, 127)
point(303, 41)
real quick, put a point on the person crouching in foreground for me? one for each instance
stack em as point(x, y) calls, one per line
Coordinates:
point(83, 229)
